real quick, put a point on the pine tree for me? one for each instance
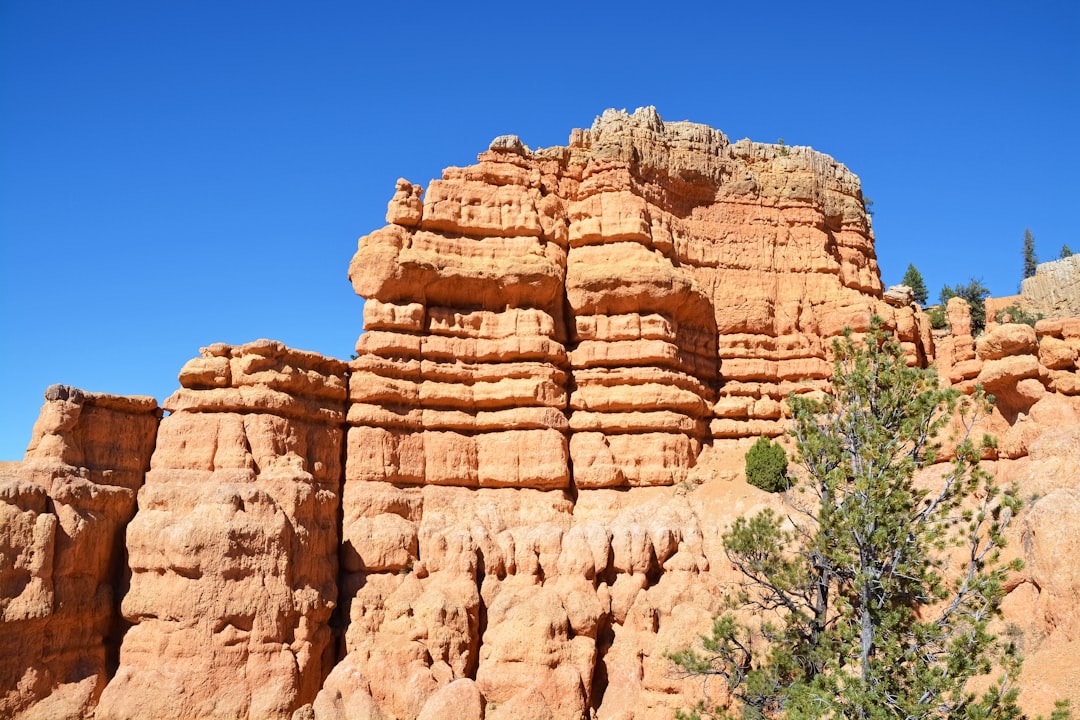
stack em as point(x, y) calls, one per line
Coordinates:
point(1065, 252)
point(914, 280)
point(1030, 261)
point(863, 617)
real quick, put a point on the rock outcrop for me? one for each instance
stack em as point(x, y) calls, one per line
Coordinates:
point(1054, 289)
point(63, 568)
point(593, 315)
point(233, 553)
point(509, 504)
point(1024, 368)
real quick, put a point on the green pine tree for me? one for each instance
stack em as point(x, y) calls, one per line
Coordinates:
point(861, 616)
point(914, 280)
point(1030, 261)
point(1065, 252)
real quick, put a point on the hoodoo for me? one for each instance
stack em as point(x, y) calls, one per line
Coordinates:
point(509, 504)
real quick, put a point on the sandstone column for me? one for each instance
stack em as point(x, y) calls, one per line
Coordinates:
point(233, 553)
point(63, 513)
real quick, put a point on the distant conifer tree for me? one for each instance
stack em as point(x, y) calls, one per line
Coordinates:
point(1065, 252)
point(1030, 261)
point(914, 280)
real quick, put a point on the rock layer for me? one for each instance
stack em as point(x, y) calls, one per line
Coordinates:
point(594, 315)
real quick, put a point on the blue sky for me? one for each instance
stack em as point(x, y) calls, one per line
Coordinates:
point(177, 174)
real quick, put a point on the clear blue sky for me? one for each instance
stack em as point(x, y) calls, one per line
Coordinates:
point(174, 174)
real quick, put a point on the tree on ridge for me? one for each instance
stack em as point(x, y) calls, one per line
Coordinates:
point(914, 280)
point(866, 618)
point(1030, 261)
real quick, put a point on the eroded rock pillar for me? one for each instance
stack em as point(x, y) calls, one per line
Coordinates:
point(234, 550)
point(63, 513)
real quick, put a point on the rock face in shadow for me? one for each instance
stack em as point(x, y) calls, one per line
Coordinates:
point(63, 513)
point(509, 504)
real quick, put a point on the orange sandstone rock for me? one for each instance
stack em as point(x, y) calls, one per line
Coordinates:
point(1005, 340)
point(510, 503)
point(233, 553)
point(644, 250)
point(62, 519)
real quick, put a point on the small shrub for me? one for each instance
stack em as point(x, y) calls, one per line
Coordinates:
point(937, 317)
point(1016, 314)
point(766, 466)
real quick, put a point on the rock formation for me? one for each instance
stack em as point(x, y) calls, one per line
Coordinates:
point(62, 559)
point(509, 504)
point(618, 303)
point(233, 553)
point(1054, 289)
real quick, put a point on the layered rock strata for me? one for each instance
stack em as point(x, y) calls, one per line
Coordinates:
point(234, 552)
point(63, 569)
point(509, 504)
point(609, 307)
point(542, 327)
point(457, 383)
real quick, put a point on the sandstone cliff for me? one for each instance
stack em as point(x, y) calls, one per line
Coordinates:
point(233, 553)
point(509, 504)
point(609, 306)
point(1054, 290)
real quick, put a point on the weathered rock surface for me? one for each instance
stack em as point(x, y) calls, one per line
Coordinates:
point(510, 503)
point(1023, 368)
point(1041, 608)
point(552, 607)
point(63, 512)
point(899, 296)
point(233, 554)
point(1054, 289)
point(591, 316)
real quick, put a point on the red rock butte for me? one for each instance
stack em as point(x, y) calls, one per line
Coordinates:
point(509, 504)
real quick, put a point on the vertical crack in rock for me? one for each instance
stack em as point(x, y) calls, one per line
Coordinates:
point(120, 571)
point(339, 618)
